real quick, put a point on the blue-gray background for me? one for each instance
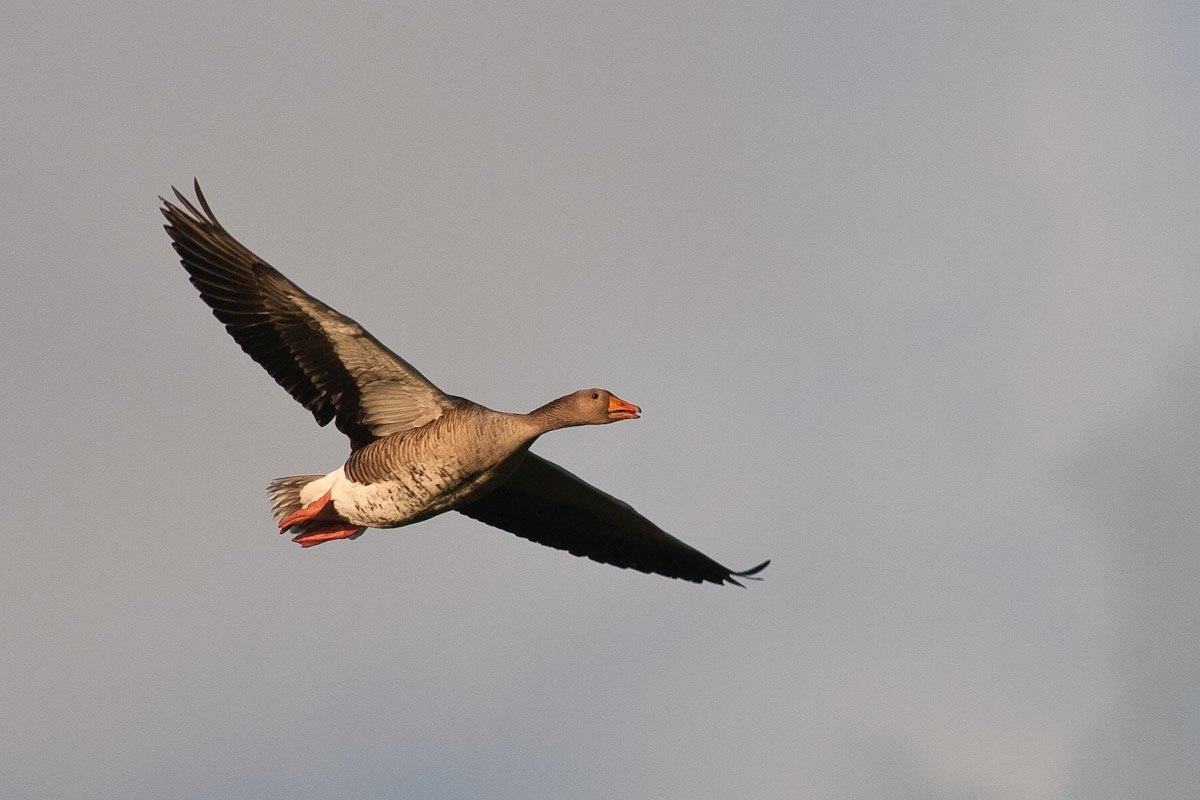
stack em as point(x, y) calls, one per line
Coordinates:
point(909, 294)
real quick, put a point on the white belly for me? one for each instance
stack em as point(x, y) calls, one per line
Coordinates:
point(389, 504)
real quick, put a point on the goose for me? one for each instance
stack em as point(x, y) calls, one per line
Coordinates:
point(415, 451)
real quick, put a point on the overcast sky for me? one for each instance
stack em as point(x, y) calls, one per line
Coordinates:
point(910, 297)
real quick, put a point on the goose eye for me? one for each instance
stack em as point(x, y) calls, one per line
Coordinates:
point(595, 395)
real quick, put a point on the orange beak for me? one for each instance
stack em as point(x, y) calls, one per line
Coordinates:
point(619, 409)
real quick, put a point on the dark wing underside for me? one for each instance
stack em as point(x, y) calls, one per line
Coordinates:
point(546, 504)
point(325, 360)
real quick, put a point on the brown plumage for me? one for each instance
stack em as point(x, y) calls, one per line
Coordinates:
point(415, 451)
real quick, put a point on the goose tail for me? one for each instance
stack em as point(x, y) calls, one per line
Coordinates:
point(284, 494)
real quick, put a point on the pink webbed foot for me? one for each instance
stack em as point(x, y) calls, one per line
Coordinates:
point(306, 514)
point(328, 533)
point(313, 529)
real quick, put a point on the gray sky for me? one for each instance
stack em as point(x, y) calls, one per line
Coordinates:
point(908, 295)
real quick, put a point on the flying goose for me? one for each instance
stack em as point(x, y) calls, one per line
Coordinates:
point(415, 451)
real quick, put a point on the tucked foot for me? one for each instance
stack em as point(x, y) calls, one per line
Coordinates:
point(327, 533)
point(306, 514)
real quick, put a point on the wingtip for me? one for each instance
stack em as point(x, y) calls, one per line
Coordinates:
point(754, 570)
point(749, 574)
point(203, 200)
point(203, 215)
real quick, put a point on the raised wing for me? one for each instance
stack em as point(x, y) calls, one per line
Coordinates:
point(325, 360)
point(546, 504)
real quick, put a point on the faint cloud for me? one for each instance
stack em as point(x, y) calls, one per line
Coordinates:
point(1141, 480)
point(881, 767)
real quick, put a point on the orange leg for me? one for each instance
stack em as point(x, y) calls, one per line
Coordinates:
point(314, 531)
point(309, 512)
point(335, 530)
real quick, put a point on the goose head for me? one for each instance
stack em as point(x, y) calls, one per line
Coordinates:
point(588, 407)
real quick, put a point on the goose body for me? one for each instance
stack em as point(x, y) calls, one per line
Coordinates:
point(416, 452)
point(412, 475)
